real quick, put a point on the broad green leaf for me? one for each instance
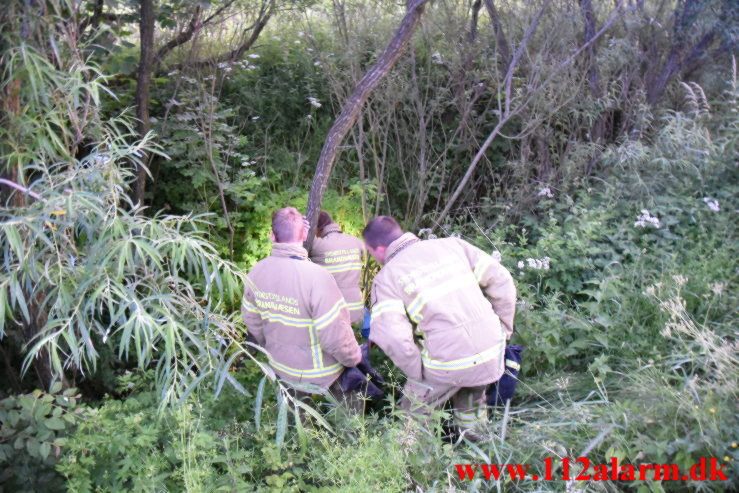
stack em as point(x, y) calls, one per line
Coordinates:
point(44, 450)
point(55, 424)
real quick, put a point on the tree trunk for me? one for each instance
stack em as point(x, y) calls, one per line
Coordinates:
point(143, 80)
point(503, 47)
point(598, 128)
point(353, 106)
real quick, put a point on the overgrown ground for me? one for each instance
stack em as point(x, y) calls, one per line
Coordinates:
point(630, 353)
point(623, 249)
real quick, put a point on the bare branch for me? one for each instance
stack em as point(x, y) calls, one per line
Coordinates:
point(508, 114)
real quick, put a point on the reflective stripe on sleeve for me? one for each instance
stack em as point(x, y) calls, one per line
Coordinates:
point(512, 364)
point(462, 363)
point(313, 373)
point(483, 264)
point(331, 315)
point(355, 306)
point(387, 306)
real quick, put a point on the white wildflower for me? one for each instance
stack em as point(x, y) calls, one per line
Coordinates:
point(536, 263)
point(316, 64)
point(436, 58)
point(545, 192)
point(314, 102)
point(255, 118)
point(297, 41)
point(301, 34)
point(252, 67)
point(423, 231)
point(253, 55)
point(277, 38)
point(645, 219)
point(309, 117)
point(497, 256)
point(718, 288)
point(711, 203)
point(520, 264)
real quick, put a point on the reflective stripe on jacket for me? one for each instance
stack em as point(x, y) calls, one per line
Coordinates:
point(294, 309)
point(462, 302)
point(342, 255)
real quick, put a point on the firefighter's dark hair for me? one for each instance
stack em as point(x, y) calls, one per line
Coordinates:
point(324, 219)
point(381, 231)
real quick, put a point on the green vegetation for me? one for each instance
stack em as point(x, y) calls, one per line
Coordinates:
point(610, 192)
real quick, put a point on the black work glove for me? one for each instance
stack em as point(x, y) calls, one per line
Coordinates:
point(365, 367)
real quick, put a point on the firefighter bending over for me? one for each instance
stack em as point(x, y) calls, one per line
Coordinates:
point(462, 303)
point(293, 308)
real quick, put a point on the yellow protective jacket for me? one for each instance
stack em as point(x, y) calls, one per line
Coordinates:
point(294, 310)
point(461, 301)
point(342, 255)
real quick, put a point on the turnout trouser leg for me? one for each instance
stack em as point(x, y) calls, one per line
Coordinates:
point(470, 409)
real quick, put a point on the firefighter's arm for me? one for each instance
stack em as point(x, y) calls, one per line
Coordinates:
point(496, 282)
point(251, 314)
point(391, 330)
point(331, 322)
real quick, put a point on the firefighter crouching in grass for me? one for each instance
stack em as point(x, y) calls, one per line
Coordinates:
point(342, 255)
point(462, 303)
point(293, 308)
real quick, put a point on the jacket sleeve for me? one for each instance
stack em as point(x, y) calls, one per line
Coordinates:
point(331, 322)
point(392, 331)
point(251, 314)
point(496, 282)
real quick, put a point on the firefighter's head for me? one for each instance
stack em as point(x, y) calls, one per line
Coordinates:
point(378, 234)
point(288, 226)
point(324, 219)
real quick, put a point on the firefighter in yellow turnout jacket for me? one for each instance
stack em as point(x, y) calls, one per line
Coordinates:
point(342, 255)
point(294, 309)
point(462, 303)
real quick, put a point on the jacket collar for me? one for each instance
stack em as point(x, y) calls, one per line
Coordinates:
point(405, 240)
point(289, 250)
point(330, 228)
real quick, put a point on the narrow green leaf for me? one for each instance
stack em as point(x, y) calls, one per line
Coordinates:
point(258, 402)
point(281, 423)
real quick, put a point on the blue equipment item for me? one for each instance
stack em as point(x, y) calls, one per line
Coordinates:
point(502, 390)
point(366, 324)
